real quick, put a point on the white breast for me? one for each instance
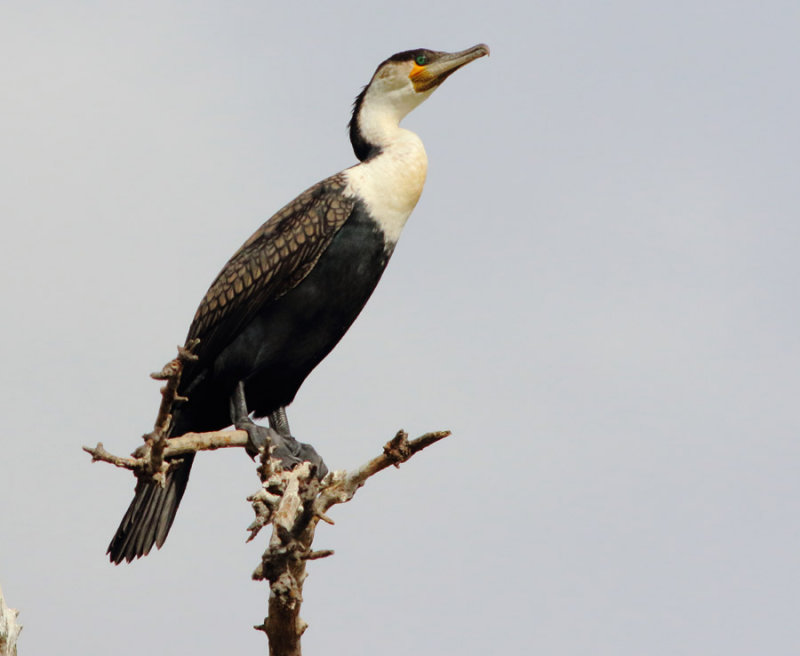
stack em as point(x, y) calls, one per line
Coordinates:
point(391, 183)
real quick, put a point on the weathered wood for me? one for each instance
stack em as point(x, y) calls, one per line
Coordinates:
point(9, 628)
point(294, 502)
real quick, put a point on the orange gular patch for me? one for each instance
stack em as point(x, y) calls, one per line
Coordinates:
point(421, 78)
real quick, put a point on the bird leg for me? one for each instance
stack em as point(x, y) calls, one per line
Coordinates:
point(305, 452)
point(280, 422)
point(285, 448)
point(258, 436)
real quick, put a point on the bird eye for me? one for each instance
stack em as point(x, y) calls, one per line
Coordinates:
point(421, 60)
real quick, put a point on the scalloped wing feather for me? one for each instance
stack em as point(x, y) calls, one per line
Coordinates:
point(276, 258)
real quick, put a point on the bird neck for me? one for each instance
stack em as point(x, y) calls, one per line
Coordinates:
point(373, 132)
point(393, 166)
point(375, 123)
point(390, 182)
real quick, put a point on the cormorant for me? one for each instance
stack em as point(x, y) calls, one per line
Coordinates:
point(290, 293)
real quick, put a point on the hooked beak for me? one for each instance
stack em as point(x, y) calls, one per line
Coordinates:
point(445, 64)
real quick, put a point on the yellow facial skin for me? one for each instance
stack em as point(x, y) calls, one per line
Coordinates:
point(422, 79)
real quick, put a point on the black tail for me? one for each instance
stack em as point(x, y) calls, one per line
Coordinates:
point(150, 515)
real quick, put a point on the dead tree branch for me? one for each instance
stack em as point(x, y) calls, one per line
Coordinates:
point(150, 459)
point(9, 629)
point(156, 441)
point(293, 501)
point(140, 460)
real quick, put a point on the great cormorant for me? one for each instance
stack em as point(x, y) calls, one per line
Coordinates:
point(290, 293)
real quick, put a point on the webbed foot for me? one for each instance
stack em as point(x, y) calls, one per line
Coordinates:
point(301, 452)
point(285, 448)
point(279, 423)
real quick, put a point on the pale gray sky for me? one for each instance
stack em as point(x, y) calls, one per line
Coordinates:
point(598, 293)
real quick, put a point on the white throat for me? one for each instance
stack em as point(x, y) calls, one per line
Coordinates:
point(391, 182)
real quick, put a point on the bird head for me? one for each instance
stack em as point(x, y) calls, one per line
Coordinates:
point(400, 84)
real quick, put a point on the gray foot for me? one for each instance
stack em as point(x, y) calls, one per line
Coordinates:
point(285, 448)
point(304, 453)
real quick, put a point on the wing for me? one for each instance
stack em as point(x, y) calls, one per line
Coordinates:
point(279, 255)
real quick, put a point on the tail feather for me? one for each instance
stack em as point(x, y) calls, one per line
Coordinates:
point(150, 515)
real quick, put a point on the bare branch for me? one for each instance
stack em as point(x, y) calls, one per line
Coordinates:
point(99, 453)
point(175, 446)
point(9, 629)
point(156, 441)
point(294, 502)
point(194, 442)
point(395, 451)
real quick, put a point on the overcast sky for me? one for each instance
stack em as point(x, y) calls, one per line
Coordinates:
point(598, 293)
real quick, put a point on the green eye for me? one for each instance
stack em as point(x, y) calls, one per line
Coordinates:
point(421, 60)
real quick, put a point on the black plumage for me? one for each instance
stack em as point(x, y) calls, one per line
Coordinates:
point(273, 313)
